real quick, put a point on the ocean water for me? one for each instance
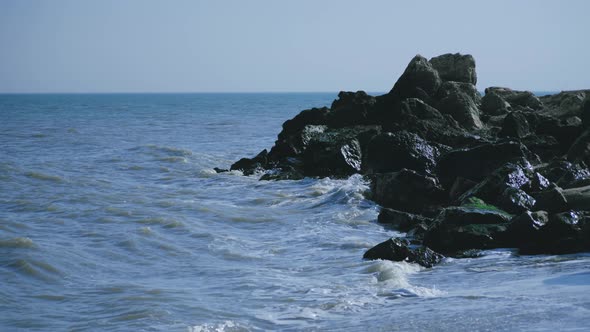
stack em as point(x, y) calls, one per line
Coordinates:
point(112, 219)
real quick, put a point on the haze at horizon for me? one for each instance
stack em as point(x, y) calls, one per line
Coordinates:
point(272, 46)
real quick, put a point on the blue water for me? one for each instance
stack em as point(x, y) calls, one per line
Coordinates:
point(112, 218)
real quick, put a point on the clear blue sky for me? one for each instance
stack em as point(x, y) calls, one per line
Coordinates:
point(217, 45)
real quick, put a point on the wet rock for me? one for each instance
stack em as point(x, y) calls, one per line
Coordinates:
point(220, 170)
point(390, 152)
point(565, 233)
point(250, 166)
point(462, 228)
point(478, 162)
point(493, 104)
point(419, 80)
point(576, 175)
point(350, 109)
point(515, 125)
point(402, 221)
point(551, 200)
point(455, 67)
point(407, 191)
point(515, 201)
point(524, 229)
point(396, 249)
point(538, 183)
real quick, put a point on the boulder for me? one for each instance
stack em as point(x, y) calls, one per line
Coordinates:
point(290, 140)
point(419, 80)
point(462, 228)
point(525, 229)
point(396, 249)
point(523, 99)
point(406, 191)
point(566, 232)
point(462, 108)
point(402, 221)
point(578, 198)
point(580, 149)
point(513, 200)
point(515, 125)
point(551, 200)
point(350, 109)
point(478, 162)
point(455, 67)
point(564, 104)
point(391, 152)
point(250, 166)
point(538, 183)
point(565, 130)
point(493, 104)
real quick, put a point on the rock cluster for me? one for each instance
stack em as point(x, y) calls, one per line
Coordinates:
point(454, 170)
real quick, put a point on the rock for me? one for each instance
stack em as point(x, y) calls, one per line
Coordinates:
point(419, 80)
point(391, 152)
point(585, 112)
point(493, 104)
point(538, 183)
point(350, 109)
point(478, 162)
point(452, 88)
point(400, 220)
point(407, 191)
point(250, 166)
point(578, 198)
point(289, 141)
point(564, 104)
point(220, 170)
point(460, 187)
point(396, 249)
point(577, 175)
point(546, 147)
point(565, 233)
point(565, 131)
point(515, 125)
point(515, 201)
point(524, 229)
point(455, 67)
point(551, 200)
point(580, 149)
point(524, 99)
point(462, 108)
point(461, 228)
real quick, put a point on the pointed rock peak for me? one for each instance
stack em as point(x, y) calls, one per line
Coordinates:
point(455, 67)
point(419, 80)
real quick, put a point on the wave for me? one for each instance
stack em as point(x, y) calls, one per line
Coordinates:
point(392, 279)
point(44, 177)
point(19, 242)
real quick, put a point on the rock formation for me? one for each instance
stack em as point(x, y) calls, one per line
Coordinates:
point(454, 170)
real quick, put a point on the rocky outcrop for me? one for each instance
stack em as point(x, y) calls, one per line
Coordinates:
point(453, 170)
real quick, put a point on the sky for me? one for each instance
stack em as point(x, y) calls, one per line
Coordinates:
point(284, 46)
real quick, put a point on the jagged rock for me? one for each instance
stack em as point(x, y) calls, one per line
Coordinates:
point(538, 183)
point(524, 229)
point(407, 191)
point(350, 109)
point(515, 201)
point(551, 200)
point(462, 109)
point(517, 98)
point(566, 232)
point(478, 162)
point(419, 80)
point(580, 149)
point(461, 228)
point(564, 104)
point(516, 125)
point(455, 67)
point(402, 221)
point(250, 166)
point(391, 152)
point(290, 140)
point(396, 249)
point(574, 175)
point(493, 104)
point(578, 198)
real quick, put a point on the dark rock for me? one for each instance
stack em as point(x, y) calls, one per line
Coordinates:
point(493, 104)
point(407, 191)
point(250, 166)
point(290, 141)
point(585, 112)
point(551, 200)
point(565, 233)
point(350, 109)
point(460, 187)
point(396, 249)
point(546, 147)
point(515, 125)
point(564, 104)
point(538, 183)
point(402, 221)
point(220, 170)
point(461, 228)
point(461, 108)
point(455, 67)
point(419, 80)
point(517, 98)
point(580, 149)
point(577, 175)
point(524, 229)
point(390, 152)
point(515, 201)
point(578, 198)
point(565, 131)
point(452, 88)
point(478, 162)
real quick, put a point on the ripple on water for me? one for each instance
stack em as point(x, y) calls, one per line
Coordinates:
point(44, 177)
point(19, 242)
point(36, 269)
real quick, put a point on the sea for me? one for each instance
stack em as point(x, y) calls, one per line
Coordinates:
point(113, 219)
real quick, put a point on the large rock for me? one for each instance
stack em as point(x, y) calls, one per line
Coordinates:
point(455, 67)
point(566, 232)
point(462, 228)
point(580, 149)
point(515, 125)
point(396, 249)
point(461, 104)
point(407, 191)
point(578, 198)
point(419, 80)
point(250, 166)
point(493, 104)
point(402, 221)
point(565, 130)
point(391, 152)
point(525, 229)
point(565, 104)
point(291, 140)
point(523, 99)
point(478, 162)
point(551, 200)
point(350, 109)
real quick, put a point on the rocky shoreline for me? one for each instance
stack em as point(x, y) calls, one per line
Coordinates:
point(455, 171)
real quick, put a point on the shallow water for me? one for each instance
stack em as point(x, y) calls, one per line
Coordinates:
point(112, 218)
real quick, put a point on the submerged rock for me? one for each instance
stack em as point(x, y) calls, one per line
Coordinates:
point(396, 249)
